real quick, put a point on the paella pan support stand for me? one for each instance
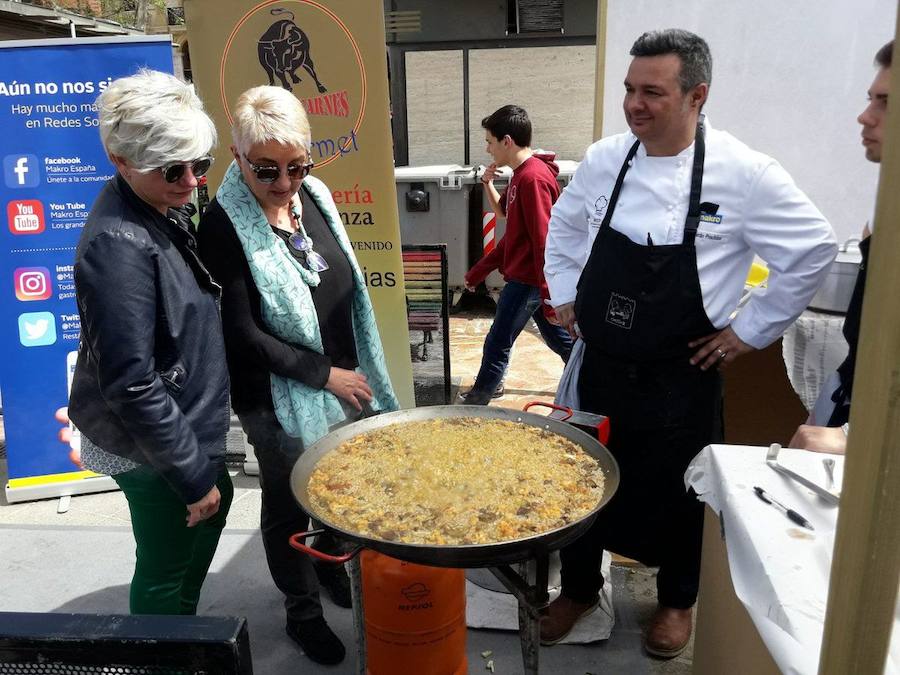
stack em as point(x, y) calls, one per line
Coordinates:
point(354, 570)
point(531, 593)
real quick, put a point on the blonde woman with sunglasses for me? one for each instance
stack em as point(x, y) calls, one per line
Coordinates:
point(150, 391)
point(303, 350)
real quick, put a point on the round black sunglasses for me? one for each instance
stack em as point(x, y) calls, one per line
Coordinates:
point(174, 172)
point(267, 173)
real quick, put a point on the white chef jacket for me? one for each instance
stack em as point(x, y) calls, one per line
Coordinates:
point(760, 211)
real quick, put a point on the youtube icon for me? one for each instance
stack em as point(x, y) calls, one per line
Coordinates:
point(25, 216)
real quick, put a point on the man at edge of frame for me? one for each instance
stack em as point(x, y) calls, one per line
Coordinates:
point(829, 422)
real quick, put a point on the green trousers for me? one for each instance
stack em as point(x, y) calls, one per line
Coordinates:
point(172, 558)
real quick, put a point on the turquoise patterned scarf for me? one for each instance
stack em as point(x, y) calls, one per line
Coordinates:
point(289, 313)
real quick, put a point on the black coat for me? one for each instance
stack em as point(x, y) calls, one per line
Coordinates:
point(150, 383)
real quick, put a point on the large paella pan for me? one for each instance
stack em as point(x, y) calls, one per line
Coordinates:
point(482, 554)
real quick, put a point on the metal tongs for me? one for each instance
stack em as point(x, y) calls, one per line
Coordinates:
point(772, 461)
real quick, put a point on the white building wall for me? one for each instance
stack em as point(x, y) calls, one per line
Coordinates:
point(554, 84)
point(789, 79)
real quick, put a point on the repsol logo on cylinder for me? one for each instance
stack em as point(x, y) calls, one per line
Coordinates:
point(420, 605)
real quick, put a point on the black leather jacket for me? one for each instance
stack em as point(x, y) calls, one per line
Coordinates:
point(151, 382)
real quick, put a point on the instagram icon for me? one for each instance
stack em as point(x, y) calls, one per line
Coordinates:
point(32, 283)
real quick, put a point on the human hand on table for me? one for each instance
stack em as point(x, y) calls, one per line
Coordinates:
point(205, 508)
point(718, 349)
point(819, 439)
point(349, 386)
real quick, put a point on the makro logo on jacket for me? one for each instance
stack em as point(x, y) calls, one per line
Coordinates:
point(25, 216)
point(37, 329)
point(32, 283)
point(21, 171)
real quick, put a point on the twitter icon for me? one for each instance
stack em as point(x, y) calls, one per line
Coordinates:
point(37, 329)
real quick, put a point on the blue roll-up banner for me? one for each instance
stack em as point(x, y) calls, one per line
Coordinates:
point(53, 168)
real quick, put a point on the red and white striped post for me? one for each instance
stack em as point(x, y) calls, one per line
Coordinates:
point(488, 228)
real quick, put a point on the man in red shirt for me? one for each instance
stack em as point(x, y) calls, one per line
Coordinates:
point(519, 255)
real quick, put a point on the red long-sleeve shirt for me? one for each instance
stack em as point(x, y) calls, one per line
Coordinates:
point(526, 201)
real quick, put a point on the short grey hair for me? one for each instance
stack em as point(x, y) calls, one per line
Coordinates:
point(692, 50)
point(152, 119)
point(268, 113)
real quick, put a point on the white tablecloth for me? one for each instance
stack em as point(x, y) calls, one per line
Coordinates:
point(780, 570)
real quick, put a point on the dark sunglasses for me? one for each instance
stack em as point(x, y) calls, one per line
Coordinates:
point(266, 173)
point(174, 172)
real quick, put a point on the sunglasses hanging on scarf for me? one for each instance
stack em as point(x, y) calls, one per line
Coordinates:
point(302, 242)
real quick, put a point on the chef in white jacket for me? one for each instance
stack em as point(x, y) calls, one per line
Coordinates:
point(646, 258)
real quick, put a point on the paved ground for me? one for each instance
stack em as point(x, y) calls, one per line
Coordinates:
point(81, 560)
point(534, 370)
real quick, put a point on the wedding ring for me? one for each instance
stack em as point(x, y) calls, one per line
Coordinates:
point(720, 353)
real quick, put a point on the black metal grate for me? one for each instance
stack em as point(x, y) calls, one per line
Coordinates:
point(425, 274)
point(101, 644)
point(175, 16)
point(540, 16)
point(235, 451)
point(44, 668)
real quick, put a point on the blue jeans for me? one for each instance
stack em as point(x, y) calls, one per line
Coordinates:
point(518, 303)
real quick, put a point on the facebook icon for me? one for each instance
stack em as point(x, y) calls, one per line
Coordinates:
point(20, 171)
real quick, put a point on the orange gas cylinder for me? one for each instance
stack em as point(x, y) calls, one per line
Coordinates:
point(415, 617)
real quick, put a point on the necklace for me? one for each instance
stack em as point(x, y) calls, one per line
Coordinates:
point(302, 242)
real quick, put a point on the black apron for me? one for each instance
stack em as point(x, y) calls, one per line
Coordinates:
point(643, 303)
point(842, 396)
point(638, 307)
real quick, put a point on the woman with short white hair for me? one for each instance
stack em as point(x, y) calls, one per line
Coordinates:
point(303, 349)
point(150, 391)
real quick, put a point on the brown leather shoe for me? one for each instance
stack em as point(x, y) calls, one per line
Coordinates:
point(561, 617)
point(669, 632)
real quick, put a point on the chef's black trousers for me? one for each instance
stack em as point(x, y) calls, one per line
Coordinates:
point(661, 415)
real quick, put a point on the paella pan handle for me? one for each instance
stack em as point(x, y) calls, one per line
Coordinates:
point(603, 431)
point(534, 404)
point(602, 427)
point(296, 541)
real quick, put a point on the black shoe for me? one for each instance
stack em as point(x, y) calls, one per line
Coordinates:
point(317, 640)
point(473, 397)
point(335, 580)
